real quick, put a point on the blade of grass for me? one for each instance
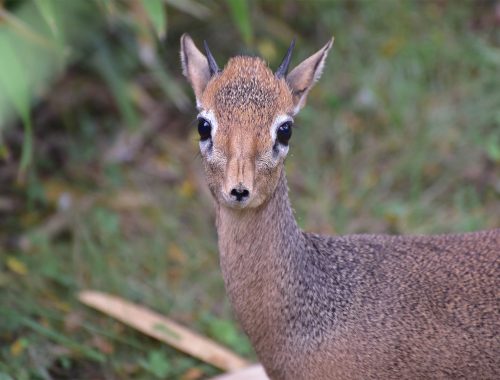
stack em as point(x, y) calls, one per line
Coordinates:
point(171, 88)
point(240, 13)
point(156, 14)
point(110, 70)
point(27, 149)
point(190, 7)
point(58, 317)
point(59, 338)
point(46, 9)
point(49, 13)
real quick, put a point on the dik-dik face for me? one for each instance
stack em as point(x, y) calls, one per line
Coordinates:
point(245, 119)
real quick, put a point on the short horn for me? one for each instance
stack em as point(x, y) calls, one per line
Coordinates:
point(212, 65)
point(283, 68)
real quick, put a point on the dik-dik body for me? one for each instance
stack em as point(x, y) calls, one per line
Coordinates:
point(331, 307)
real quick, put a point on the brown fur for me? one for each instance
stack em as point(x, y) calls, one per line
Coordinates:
point(347, 307)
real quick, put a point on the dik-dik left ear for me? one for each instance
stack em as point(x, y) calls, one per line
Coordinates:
point(197, 68)
point(302, 78)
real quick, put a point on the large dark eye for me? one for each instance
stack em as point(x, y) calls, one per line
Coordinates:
point(204, 129)
point(284, 132)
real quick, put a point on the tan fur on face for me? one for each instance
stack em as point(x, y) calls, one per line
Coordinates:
point(245, 99)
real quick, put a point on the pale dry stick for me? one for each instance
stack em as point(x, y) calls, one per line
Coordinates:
point(163, 329)
point(254, 372)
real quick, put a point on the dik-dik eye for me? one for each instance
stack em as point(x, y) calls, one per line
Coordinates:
point(204, 129)
point(284, 132)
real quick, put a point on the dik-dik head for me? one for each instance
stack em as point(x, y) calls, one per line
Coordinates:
point(245, 119)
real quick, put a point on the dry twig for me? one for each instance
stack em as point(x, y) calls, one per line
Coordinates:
point(164, 329)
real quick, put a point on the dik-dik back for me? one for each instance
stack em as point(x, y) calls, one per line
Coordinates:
point(319, 307)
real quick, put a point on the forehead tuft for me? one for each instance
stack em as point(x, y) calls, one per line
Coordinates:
point(247, 84)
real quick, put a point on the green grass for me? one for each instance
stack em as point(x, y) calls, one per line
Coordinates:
point(401, 135)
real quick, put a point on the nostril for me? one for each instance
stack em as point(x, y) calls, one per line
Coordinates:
point(240, 194)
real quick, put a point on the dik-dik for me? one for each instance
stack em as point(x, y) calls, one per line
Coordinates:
point(331, 307)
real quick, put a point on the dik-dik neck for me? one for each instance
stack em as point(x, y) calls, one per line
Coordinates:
point(257, 247)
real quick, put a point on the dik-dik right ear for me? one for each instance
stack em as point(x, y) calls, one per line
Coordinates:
point(197, 68)
point(302, 78)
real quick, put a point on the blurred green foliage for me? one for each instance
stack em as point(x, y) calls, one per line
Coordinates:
point(101, 188)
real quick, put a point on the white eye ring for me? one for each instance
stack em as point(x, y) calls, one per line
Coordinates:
point(207, 143)
point(281, 149)
point(280, 119)
point(210, 117)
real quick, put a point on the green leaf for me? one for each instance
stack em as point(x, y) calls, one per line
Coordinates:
point(15, 86)
point(5, 376)
point(107, 223)
point(47, 10)
point(13, 81)
point(165, 330)
point(156, 364)
point(493, 148)
point(241, 17)
point(156, 14)
point(225, 331)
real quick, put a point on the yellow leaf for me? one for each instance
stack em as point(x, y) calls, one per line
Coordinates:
point(16, 266)
point(391, 218)
point(30, 218)
point(187, 189)
point(63, 306)
point(56, 302)
point(18, 346)
point(392, 46)
point(176, 254)
point(268, 50)
point(54, 189)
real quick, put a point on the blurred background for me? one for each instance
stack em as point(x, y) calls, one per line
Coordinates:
point(101, 185)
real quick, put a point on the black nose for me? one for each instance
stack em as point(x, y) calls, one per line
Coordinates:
point(240, 193)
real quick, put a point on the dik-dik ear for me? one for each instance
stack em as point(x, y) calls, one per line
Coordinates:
point(197, 68)
point(301, 79)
